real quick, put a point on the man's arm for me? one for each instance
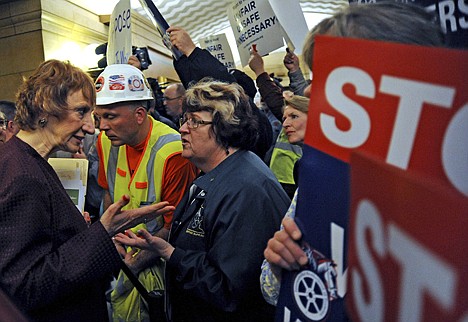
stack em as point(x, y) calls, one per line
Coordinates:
point(269, 91)
point(179, 174)
point(196, 63)
point(297, 83)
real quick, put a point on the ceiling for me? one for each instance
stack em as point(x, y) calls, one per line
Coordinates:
point(208, 17)
point(200, 17)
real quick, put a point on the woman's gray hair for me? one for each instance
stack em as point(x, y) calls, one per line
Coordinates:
point(234, 124)
point(386, 21)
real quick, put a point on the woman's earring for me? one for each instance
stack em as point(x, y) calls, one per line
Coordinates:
point(42, 122)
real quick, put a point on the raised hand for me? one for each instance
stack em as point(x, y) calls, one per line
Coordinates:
point(256, 61)
point(181, 39)
point(291, 61)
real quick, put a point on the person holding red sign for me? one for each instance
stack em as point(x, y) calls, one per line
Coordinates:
point(394, 22)
point(294, 126)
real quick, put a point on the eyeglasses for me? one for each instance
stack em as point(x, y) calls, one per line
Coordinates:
point(170, 99)
point(192, 123)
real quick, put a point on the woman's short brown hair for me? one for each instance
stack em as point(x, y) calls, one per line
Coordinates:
point(46, 91)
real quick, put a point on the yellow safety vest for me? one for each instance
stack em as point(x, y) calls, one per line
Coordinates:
point(144, 186)
point(283, 158)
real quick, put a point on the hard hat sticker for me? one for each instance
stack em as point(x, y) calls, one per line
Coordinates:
point(116, 82)
point(135, 83)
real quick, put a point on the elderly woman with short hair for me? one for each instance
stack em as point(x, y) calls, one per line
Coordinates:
point(53, 265)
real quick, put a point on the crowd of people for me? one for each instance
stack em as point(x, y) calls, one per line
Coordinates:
point(204, 214)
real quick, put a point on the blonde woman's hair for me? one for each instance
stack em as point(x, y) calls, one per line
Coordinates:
point(300, 103)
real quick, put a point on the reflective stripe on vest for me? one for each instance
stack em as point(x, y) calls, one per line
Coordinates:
point(113, 159)
point(283, 158)
point(145, 185)
point(113, 156)
point(289, 147)
point(163, 140)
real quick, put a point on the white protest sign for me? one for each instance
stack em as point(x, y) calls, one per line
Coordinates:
point(254, 23)
point(119, 47)
point(73, 174)
point(218, 46)
point(291, 18)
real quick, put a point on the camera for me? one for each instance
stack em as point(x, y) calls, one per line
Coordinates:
point(143, 56)
point(157, 92)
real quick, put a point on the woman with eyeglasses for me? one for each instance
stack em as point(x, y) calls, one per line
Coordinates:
point(222, 226)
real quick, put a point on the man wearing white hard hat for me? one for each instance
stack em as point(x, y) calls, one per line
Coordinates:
point(140, 157)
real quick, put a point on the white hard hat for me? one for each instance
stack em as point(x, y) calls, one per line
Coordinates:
point(121, 83)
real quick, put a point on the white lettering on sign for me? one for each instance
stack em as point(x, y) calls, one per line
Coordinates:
point(367, 219)
point(422, 272)
point(337, 254)
point(447, 18)
point(455, 150)
point(356, 114)
point(287, 315)
point(463, 7)
point(413, 96)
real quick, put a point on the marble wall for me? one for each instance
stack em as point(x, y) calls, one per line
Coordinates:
point(32, 31)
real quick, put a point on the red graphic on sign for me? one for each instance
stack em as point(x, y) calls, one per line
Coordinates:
point(405, 104)
point(407, 251)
